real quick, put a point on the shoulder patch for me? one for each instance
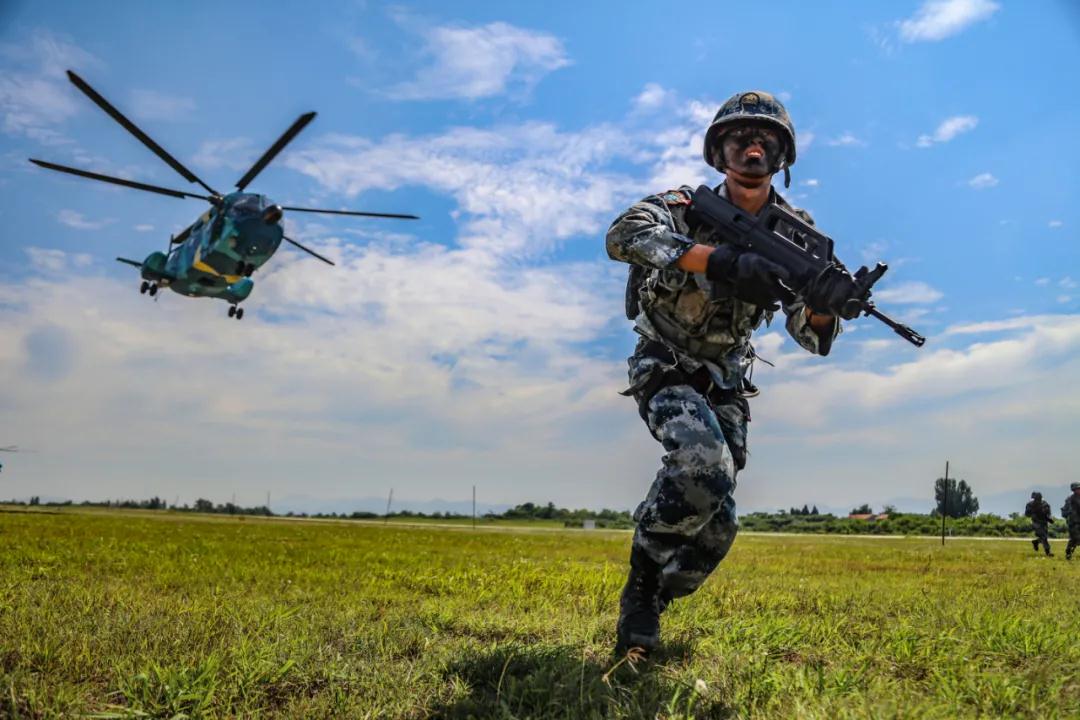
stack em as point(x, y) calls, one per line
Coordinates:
point(675, 197)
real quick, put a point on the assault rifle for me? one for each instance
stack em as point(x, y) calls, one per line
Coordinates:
point(803, 262)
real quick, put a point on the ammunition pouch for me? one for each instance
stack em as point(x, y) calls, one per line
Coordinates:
point(669, 374)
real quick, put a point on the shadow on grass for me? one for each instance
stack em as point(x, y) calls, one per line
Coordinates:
point(563, 681)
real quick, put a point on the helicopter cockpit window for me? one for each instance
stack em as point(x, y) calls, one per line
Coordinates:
point(250, 205)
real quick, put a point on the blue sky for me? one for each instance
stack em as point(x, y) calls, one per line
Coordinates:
point(484, 344)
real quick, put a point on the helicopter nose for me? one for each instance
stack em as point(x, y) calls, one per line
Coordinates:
point(272, 214)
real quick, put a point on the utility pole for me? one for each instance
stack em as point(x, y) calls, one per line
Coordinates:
point(386, 517)
point(945, 503)
point(473, 507)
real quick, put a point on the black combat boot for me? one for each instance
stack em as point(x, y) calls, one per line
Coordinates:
point(1035, 545)
point(640, 606)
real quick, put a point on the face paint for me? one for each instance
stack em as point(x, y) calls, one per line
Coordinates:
point(752, 150)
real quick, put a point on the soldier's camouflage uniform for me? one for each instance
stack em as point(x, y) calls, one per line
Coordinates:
point(691, 359)
point(1072, 504)
point(1039, 512)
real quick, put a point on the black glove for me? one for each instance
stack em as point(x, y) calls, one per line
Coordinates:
point(835, 292)
point(751, 277)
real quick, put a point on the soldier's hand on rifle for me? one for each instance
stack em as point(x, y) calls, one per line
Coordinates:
point(835, 291)
point(751, 277)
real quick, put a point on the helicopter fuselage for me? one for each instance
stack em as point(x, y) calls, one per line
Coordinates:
point(225, 246)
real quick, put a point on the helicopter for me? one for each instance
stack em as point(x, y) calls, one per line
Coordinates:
point(217, 254)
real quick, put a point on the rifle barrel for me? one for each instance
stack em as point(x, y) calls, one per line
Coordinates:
point(899, 328)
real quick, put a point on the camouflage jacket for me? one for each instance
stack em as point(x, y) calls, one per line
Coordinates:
point(1071, 510)
point(1039, 512)
point(677, 308)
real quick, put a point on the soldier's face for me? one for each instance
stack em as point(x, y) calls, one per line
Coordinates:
point(752, 149)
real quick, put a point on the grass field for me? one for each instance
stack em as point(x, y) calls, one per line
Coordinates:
point(163, 615)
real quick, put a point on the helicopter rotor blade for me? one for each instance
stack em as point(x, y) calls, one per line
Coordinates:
point(307, 250)
point(285, 139)
point(352, 212)
point(134, 130)
point(120, 181)
point(10, 448)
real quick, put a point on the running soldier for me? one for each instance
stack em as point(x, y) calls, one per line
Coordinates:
point(1039, 512)
point(695, 304)
point(1071, 511)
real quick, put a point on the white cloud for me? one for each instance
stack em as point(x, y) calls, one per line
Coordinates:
point(76, 220)
point(53, 260)
point(653, 97)
point(983, 181)
point(1067, 282)
point(909, 293)
point(939, 19)
point(1042, 281)
point(154, 105)
point(483, 61)
point(810, 182)
point(949, 129)
point(874, 251)
point(522, 189)
point(143, 228)
point(1064, 299)
point(1055, 224)
point(35, 95)
point(845, 140)
point(232, 153)
point(986, 403)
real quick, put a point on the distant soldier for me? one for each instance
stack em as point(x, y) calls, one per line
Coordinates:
point(1071, 511)
point(1039, 512)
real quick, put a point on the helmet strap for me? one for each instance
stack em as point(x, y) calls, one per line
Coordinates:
point(787, 177)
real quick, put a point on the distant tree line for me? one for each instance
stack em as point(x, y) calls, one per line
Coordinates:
point(525, 511)
point(201, 505)
point(895, 524)
point(953, 497)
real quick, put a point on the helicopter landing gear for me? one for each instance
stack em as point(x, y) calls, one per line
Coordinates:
point(236, 312)
point(249, 270)
point(245, 269)
point(144, 287)
point(153, 290)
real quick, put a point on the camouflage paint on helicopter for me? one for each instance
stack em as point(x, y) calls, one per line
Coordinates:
point(223, 248)
point(216, 255)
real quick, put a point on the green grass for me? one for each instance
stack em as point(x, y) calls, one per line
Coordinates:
point(168, 615)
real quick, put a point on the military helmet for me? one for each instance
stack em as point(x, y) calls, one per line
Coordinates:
point(753, 105)
point(1075, 486)
point(1036, 495)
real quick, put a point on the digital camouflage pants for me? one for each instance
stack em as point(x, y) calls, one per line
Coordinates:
point(687, 522)
point(1041, 538)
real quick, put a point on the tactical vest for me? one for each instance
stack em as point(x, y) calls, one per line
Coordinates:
point(648, 288)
